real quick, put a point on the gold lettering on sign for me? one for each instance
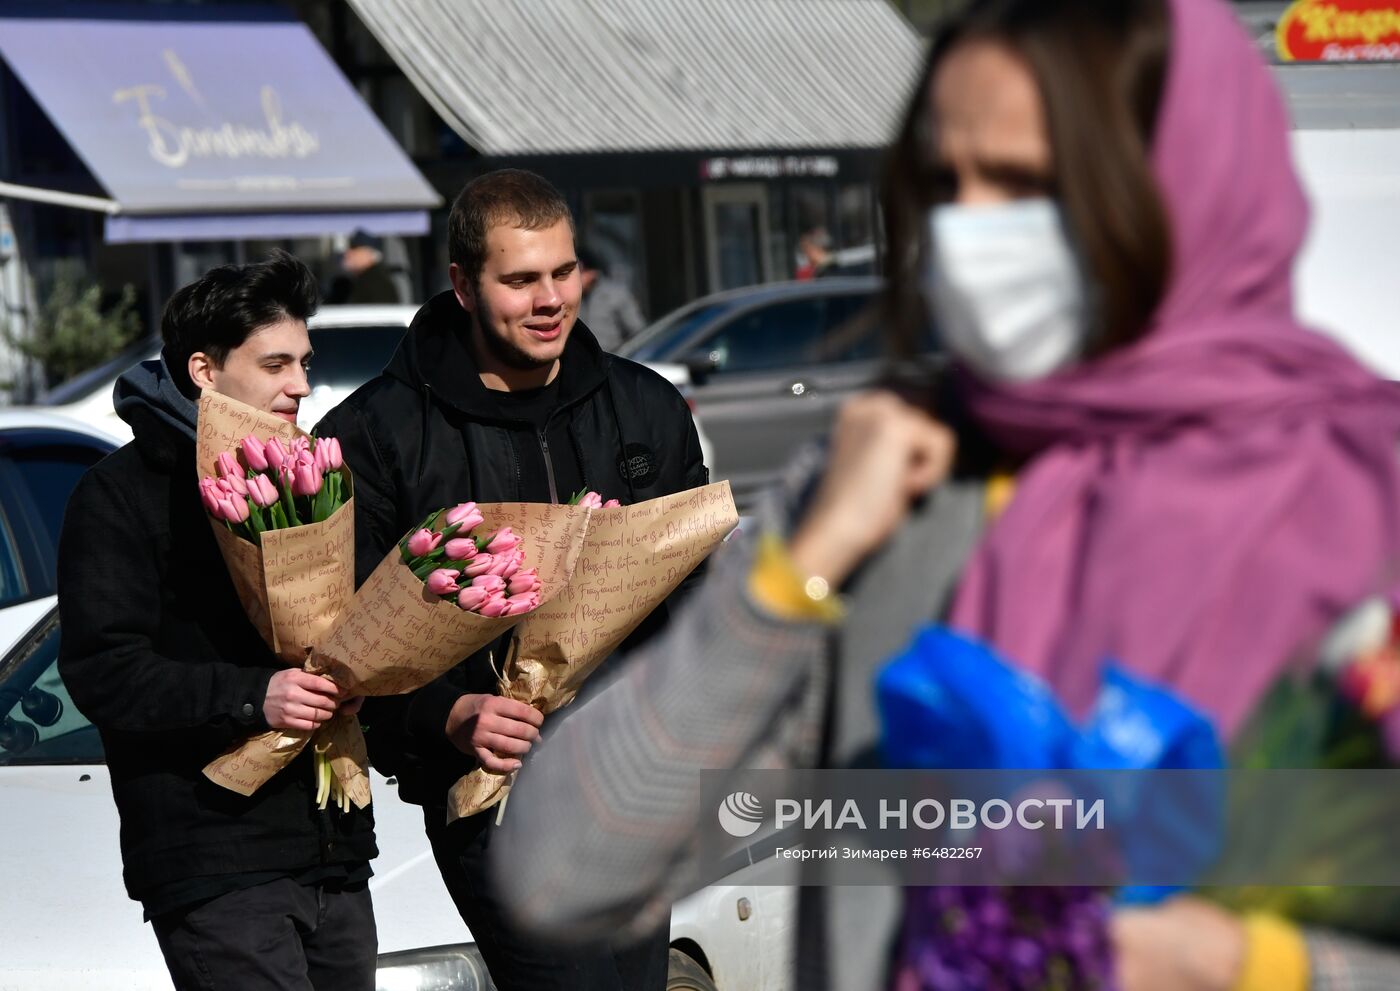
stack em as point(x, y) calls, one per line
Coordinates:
point(173, 145)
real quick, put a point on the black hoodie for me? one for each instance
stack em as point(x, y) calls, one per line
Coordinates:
point(427, 434)
point(157, 653)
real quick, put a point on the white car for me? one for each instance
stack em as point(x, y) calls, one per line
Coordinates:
point(70, 924)
point(352, 345)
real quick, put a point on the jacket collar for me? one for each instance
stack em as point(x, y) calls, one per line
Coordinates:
point(435, 357)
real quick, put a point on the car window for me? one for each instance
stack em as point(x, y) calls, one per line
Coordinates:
point(49, 472)
point(40, 469)
point(660, 341)
point(39, 724)
point(12, 587)
point(348, 357)
point(792, 333)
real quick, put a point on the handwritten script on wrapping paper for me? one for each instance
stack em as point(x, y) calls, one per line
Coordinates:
point(224, 422)
point(632, 558)
point(251, 764)
point(396, 636)
point(309, 574)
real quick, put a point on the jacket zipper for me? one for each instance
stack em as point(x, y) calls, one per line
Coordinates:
point(548, 467)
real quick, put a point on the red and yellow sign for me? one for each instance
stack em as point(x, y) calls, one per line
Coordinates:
point(1340, 31)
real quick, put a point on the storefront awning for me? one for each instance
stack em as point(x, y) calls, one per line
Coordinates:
point(535, 77)
point(209, 123)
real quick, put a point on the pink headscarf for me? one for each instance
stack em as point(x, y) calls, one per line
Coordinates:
point(1202, 504)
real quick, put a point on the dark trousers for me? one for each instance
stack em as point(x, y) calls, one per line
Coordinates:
point(279, 936)
point(525, 962)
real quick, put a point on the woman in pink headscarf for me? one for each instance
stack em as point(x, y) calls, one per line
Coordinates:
point(1097, 204)
point(1092, 202)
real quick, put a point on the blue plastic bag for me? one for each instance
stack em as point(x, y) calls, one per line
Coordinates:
point(950, 701)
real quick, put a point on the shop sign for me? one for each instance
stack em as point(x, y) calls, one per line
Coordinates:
point(1340, 31)
point(770, 167)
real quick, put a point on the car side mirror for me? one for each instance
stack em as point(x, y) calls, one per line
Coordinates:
point(43, 708)
point(17, 737)
point(701, 364)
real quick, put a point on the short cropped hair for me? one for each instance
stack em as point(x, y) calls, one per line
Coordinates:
point(507, 196)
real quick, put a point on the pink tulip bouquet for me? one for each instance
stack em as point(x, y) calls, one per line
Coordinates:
point(281, 509)
point(481, 573)
point(272, 485)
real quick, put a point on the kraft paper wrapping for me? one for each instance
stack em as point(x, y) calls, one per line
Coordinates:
point(292, 586)
point(390, 637)
point(633, 557)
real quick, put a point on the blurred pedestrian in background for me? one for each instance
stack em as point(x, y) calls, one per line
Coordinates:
point(1094, 202)
point(817, 260)
point(608, 309)
point(365, 277)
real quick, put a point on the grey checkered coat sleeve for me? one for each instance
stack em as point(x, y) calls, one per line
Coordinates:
point(598, 835)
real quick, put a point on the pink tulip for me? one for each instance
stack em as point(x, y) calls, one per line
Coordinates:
point(471, 598)
point(492, 583)
point(234, 509)
point(300, 445)
point(253, 453)
point(516, 605)
point(326, 454)
point(306, 480)
point(237, 483)
point(461, 549)
point(507, 564)
point(494, 608)
point(465, 515)
point(591, 501)
point(423, 542)
point(478, 565)
point(443, 581)
point(262, 491)
point(523, 581)
point(226, 464)
point(612, 504)
point(274, 452)
point(209, 493)
point(504, 540)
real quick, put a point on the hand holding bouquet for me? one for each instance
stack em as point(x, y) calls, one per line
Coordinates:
point(291, 559)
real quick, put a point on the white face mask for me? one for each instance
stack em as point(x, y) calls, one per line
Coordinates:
point(1005, 288)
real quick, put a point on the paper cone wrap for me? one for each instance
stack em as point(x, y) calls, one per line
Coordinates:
point(391, 636)
point(633, 557)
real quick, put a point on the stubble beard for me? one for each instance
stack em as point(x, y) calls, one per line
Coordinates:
point(508, 354)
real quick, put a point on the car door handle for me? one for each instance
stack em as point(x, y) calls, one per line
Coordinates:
point(799, 389)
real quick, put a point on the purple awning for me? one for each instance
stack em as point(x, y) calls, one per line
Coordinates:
point(214, 117)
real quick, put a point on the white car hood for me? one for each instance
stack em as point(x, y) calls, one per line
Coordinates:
point(67, 922)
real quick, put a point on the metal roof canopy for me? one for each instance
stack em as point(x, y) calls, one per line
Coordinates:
point(519, 77)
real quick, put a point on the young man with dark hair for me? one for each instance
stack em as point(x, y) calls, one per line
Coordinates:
point(499, 394)
point(258, 892)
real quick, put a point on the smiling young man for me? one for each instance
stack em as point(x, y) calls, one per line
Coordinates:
point(499, 394)
point(258, 893)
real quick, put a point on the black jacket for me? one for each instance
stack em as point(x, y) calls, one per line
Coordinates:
point(427, 434)
point(157, 653)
